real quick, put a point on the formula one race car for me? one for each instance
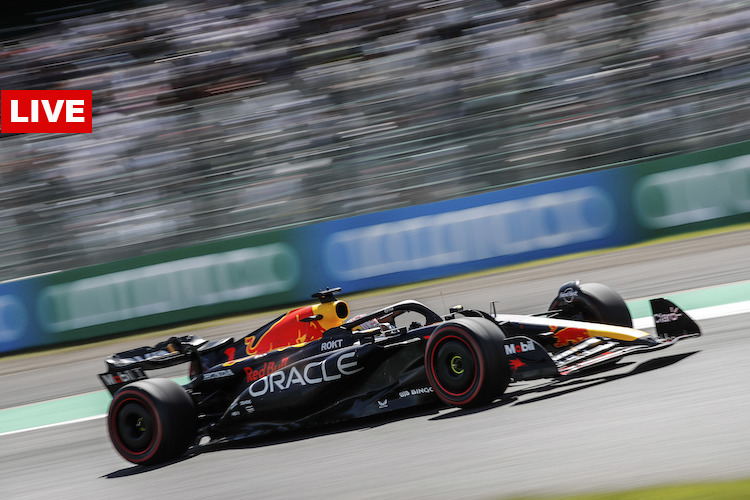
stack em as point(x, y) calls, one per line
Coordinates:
point(311, 366)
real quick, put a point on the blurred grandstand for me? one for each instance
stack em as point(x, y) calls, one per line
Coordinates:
point(221, 118)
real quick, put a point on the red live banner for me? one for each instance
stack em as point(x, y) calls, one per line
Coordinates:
point(45, 111)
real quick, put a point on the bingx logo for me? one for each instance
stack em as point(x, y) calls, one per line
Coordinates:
point(45, 111)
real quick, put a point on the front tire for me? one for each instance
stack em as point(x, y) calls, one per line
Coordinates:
point(466, 363)
point(151, 421)
point(592, 302)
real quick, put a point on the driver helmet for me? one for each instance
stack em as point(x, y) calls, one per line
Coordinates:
point(367, 325)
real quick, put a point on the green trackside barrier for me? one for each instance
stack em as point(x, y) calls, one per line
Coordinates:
point(607, 208)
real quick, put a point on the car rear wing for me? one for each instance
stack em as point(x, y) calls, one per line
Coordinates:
point(128, 366)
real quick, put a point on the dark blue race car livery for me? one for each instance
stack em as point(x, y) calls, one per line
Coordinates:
point(314, 366)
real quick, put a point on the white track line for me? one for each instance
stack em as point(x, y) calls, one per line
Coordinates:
point(701, 313)
point(58, 424)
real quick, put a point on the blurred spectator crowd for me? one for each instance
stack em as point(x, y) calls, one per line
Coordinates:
point(222, 118)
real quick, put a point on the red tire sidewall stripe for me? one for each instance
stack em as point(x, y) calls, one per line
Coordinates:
point(135, 396)
point(478, 361)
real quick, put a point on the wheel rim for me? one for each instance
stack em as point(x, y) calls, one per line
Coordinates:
point(457, 365)
point(454, 366)
point(135, 427)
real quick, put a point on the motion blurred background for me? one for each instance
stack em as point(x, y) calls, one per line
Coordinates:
point(222, 118)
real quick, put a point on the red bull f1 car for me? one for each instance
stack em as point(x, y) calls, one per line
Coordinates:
point(313, 365)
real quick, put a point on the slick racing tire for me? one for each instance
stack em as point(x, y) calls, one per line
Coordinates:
point(592, 302)
point(152, 421)
point(466, 363)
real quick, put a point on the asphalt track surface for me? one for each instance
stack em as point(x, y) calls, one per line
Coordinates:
point(677, 415)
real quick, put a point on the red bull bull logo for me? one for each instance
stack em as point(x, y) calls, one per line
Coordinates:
point(289, 330)
point(297, 327)
point(569, 336)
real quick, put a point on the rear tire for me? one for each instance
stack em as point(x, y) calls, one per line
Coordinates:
point(466, 363)
point(151, 421)
point(591, 302)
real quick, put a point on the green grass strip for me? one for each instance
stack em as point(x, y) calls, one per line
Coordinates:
point(729, 490)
